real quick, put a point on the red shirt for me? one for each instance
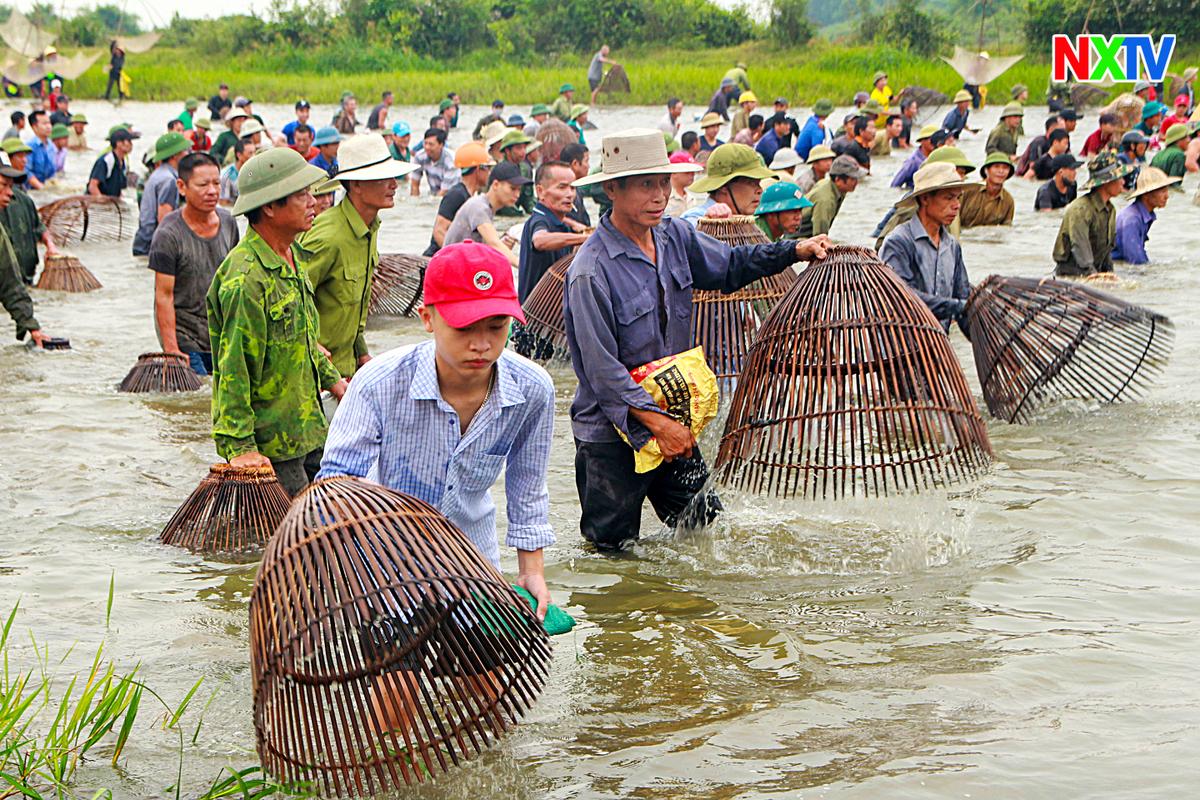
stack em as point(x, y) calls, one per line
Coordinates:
point(1094, 144)
point(310, 155)
point(1169, 121)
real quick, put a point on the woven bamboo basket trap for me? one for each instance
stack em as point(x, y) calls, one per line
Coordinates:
point(554, 134)
point(66, 274)
point(544, 335)
point(850, 389)
point(83, 218)
point(398, 283)
point(384, 647)
point(233, 510)
point(1037, 341)
point(160, 372)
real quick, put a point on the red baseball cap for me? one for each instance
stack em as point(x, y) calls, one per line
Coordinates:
point(470, 281)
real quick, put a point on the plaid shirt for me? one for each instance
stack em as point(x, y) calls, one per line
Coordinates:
point(442, 174)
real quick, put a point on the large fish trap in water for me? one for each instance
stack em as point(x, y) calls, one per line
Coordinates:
point(233, 510)
point(1036, 341)
point(554, 134)
point(397, 286)
point(725, 324)
point(384, 647)
point(84, 218)
point(851, 388)
point(160, 372)
point(66, 274)
point(544, 335)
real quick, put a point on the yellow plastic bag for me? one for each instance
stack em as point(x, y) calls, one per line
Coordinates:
point(683, 386)
point(123, 83)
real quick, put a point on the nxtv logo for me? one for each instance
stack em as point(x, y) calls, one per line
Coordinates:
point(1094, 58)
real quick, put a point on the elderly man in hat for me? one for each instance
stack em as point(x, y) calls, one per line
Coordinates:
point(780, 210)
point(733, 183)
point(1088, 231)
point(828, 195)
point(341, 250)
point(268, 366)
point(1172, 159)
point(815, 168)
point(814, 131)
point(928, 139)
point(1003, 138)
point(561, 107)
point(1060, 191)
point(901, 212)
point(1134, 220)
point(989, 203)
point(923, 252)
point(629, 302)
point(13, 295)
point(77, 138)
point(956, 120)
point(160, 195)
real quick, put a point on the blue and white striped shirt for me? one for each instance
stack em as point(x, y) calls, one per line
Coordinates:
point(394, 428)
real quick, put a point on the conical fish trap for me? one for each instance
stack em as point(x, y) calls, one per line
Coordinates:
point(86, 218)
point(397, 285)
point(851, 388)
point(554, 134)
point(544, 335)
point(160, 372)
point(1036, 341)
point(615, 80)
point(1128, 107)
point(384, 647)
point(66, 274)
point(725, 324)
point(233, 510)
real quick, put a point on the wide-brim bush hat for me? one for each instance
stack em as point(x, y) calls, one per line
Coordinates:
point(785, 158)
point(636, 151)
point(273, 175)
point(366, 157)
point(933, 178)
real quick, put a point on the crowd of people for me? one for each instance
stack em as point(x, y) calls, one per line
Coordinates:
point(277, 312)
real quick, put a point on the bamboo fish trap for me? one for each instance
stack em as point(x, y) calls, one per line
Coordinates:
point(1036, 341)
point(384, 647)
point(615, 80)
point(851, 388)
point(160, 372)
point(554, 136)
point(725, 324)
point(84, 218)
point(397, 285)
point(233, 510)
point(544, 335)
point(66, 274)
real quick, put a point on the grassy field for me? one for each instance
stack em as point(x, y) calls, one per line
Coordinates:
point(802, 75)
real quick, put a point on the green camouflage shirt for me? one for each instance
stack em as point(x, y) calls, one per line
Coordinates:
point(340, 254)
point(267, 369)
point(25, 229)
point(13, 296)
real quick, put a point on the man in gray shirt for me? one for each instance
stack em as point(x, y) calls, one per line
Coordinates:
point(160, 196)
point(475, 218)
point(188, 246)
point(596, 70)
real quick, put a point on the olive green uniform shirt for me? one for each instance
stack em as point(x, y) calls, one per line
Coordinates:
point(981, 208)
point(1002, 139)
point(741, 120)
point(267, 369)
point(24, 226)
point(1086, 237)
point(13, 296)
point(1170, 160)
point(340, 254)
point(561, 108)
point(738, 76)
point(826, 202)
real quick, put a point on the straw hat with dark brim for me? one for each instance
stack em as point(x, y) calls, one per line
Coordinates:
point(637, 151)
point(933, 178)
point(1151, 179)
point(728, 162)
point(963, 96)
point(710, 119)
point(273, 175)
point(820, 153)
point(366, 157)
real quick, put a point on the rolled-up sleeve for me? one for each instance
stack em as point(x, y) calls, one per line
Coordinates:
point(598, 367)
point(525, 475)
point(718, 267)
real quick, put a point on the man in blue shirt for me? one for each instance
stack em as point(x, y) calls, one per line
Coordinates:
point(327, 141)
point(549, 234)
point(628, 302)
point(781, 126)
point(956, 120)
point(929, 139)
point(303, 111)
point(814, 131)
point(40, 165)
point(1134, 220)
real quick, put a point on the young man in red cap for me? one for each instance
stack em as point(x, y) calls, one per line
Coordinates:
point(440, 419)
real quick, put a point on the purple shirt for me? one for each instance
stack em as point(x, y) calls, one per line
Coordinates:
point(1133, 229)
point(623, 311)
point(904, 176)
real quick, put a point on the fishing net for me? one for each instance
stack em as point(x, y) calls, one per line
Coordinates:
point(66, 274)
point(160, 372)
point(24, 37)
point(925, 97)
point(851, 388)
point(1036, 341)
point(233, 510)
point(615, 80)
point(384, 647)
point(85, 218)
point(397, 286)
point(554, 135)
point(138, 44)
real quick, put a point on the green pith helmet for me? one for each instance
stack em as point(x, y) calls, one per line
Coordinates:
point(59, 131)
point(79, 118)
point(951, 155)
point(731, 161)
point(273, 175)
point(13, 145)
point(1013, 110)
point(169, 144)
point(782, 196)
point(512, 138)
point(1176, 132)
point(997, 157)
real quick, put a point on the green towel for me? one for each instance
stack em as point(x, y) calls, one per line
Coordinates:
point(557, 621)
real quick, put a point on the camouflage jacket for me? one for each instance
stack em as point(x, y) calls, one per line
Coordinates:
point(268, 371)
point(13, 295)
point(25, 230)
